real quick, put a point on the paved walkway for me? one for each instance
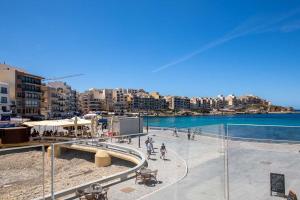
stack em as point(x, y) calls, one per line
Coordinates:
point(250, 164)
point(205, 160)
point(169, 171)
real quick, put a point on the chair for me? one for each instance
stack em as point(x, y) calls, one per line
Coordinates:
point(292, 196)
point(138, 176)
point(154, 174)
point(104, 194)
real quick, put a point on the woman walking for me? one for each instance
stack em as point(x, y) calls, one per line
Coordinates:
point(163, 151)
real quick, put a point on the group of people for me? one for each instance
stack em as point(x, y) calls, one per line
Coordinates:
point(46, 133)
point(150, 148)
point(190, 136)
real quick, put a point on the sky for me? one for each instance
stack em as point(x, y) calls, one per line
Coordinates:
point(188, 48)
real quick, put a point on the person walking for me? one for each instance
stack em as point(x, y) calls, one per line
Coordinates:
point(193, 134)
point(163, 151)
point(175, 132)
point(189, 134)
point(151, 145)
point(147, 141)
point(148, 150)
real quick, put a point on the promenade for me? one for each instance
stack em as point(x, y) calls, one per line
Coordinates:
point(250, 164)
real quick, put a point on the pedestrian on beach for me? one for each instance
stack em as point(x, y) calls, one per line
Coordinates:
point(193, 135)
point(175, 133)
point(151, 144)
point(163, 151)
point(148, 150)
point(147, 141)
point(189, 135)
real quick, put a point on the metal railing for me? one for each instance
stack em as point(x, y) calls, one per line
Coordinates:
point(99, 145)
point(92, 142)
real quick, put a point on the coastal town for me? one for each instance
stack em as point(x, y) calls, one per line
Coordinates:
point(149, 100)
point(28, 95)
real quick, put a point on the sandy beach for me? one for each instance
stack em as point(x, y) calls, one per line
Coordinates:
point(23, 180)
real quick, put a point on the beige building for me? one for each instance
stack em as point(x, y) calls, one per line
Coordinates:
point(156, 95)
point(202, 103)
point(251, 99)
point(24, 90)
point(146, 102)
point(178, 103)
point(67, 99)
point(231, 100)
point(4, 101)
point(51, 107)
point(95, 100)
point(90, 101)
point(119, 100)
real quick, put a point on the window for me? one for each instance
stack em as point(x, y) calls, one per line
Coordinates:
point(4, 109)
point(3, 90)
point(3, 99)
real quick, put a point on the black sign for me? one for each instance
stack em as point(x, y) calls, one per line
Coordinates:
point(277, 183)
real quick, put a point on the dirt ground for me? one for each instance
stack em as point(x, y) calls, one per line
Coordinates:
point(21, 173)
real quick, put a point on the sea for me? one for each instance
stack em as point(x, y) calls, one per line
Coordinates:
point(251, 126)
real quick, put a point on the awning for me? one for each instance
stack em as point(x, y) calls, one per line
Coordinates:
point(58, 123)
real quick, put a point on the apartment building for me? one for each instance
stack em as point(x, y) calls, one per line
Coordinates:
point(119, 100)
point(91, 101)
point(145, 102)
point(5, 111)
point(202, 103)
point(133, 91)
point(251, 99)
point(67, 99)
point(178, 103)
point(50, 107)
point(107, 96)
point(231, 100)
point(24, 90)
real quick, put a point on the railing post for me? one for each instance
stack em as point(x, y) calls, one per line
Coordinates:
point(226, 164)
point(52, 172)
point(43, 150)
point(139, 141)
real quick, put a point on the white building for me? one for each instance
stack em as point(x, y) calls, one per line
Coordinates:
point(4, 100)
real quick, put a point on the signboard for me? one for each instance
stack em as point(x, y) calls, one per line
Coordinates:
point(277, 183)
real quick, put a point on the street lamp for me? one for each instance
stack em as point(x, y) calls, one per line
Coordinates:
point(139, 129)
point(147, 120)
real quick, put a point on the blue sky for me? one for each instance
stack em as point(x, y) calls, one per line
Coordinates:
point(192, 48)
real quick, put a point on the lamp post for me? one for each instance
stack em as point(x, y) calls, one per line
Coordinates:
point(147, 120)
point(139, 129)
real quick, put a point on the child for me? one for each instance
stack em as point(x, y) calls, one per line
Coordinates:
point(163, 151)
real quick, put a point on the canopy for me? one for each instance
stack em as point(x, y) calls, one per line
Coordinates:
point(61, 123)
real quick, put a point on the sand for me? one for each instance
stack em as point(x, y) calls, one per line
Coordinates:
point(24, 179)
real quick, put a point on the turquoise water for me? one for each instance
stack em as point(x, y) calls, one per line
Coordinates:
point(195, 121)
point(283, 126)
